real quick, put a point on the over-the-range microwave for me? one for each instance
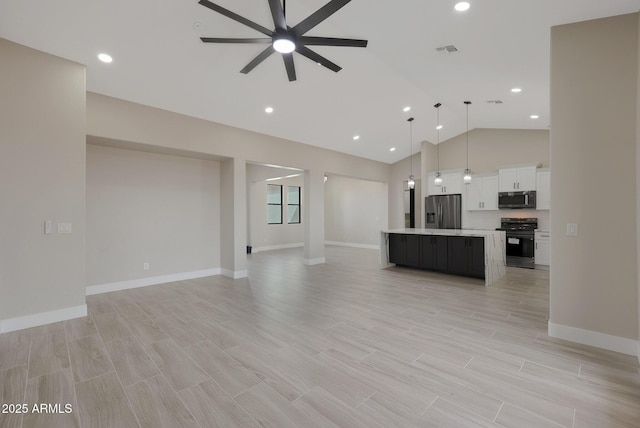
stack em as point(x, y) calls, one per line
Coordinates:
point(526, 199)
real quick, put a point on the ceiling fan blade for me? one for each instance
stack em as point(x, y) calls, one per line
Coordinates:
point(227, 40)
point(288, 63)
point(278, 15)
point(331, 41)
point(318, 16)
point(319, 59)
point(257, 60)
point(231, 15)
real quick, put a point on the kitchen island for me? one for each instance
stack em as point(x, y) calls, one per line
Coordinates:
point(466, 252)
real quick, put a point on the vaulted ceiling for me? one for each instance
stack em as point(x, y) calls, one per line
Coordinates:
point(159, 60)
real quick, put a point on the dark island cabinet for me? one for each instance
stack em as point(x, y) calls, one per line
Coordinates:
point(458, 255)
point(466, 256)
point(433, 252)
point(404, 249)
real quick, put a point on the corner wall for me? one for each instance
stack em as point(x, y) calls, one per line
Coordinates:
point(42, 177)
point(594, 97)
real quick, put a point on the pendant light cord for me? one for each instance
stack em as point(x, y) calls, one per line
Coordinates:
point(467, 104)
point(410, 120)
point(437, 106)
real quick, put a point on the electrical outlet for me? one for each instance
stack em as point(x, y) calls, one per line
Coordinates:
point(145, 266)
point(572, 229)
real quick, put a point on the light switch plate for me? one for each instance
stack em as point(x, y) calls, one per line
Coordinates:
point(48, 229)
point(572, 229)
point(64, 228)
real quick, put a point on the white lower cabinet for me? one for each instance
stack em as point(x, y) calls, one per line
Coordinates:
point(542, 246)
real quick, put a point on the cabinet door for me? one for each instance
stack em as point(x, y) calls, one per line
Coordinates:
point(527, 178)
point(452, 182)
point(508, 179)
point(474, 192)
point(476, 257)
point(543, 191)
point(441, 252)
point(541, 251)
point(412, 250)
point(396, 249)
point(433, 253)
point(489, 193)
point(458, 259)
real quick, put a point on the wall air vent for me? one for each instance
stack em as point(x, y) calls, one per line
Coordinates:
point(449, 49)
point(494, 101)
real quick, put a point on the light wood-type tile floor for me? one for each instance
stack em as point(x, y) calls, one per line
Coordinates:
point(343, 344)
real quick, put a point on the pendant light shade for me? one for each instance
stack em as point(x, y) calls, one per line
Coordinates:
point(411, 183)
point(438, 180)
point(467, 171)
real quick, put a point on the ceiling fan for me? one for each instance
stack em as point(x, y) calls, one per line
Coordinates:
point(285, 39)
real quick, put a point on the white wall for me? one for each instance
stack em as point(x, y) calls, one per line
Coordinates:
point(594, 96)
point(271, 236)
point(355, 211)
point(397, 184)
point(148, 207)
point(42, 168)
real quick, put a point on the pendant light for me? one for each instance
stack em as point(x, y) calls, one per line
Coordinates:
point(467, 171)
point(411, 184)
point(438, 179)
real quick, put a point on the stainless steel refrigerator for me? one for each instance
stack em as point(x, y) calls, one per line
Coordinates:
point(443, 212)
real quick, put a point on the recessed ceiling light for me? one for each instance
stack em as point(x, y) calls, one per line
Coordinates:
point(392, 149)
point(105, 57)
point(268, 110)
point(406, 109)
point(534, 116)
point(462, 6)
point(356, 137)
point(516, 90)
point(439, 127)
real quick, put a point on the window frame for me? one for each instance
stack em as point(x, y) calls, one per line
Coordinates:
point(269, 204)
point(299, 205)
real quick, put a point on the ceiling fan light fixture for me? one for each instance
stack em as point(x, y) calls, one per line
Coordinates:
point(284, 45)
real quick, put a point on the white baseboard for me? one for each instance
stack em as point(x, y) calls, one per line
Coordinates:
point(153, 280)
point(237, 274)
point(311, 262)
point(353, 245)
point(277, 247)
point(42, 318)
point(594, 338)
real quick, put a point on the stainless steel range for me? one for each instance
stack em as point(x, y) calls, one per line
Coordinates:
point(520, 241)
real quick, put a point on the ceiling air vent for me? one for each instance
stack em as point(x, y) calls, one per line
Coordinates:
point(494, 102)
point(449, 49)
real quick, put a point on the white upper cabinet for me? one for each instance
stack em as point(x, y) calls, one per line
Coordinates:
point(451, 183)
point(482, 193)
point(543, 190)
point(517, 179)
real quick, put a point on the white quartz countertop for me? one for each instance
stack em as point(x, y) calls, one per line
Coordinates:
point(447, 232)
